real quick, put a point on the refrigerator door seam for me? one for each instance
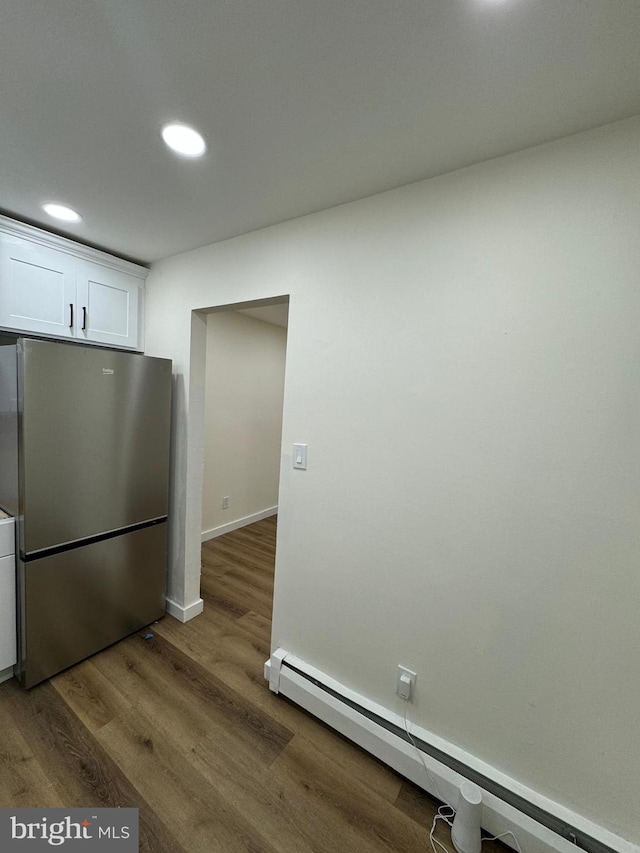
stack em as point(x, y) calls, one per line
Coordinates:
point(89, 540)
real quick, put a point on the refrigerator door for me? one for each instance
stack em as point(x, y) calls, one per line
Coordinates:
point(93, 441)
point(83, 600)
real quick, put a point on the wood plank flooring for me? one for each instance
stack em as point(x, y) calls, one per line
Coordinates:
point(183, 727)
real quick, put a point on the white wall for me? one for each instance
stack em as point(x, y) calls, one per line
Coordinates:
point(243, 417)
point(463, 361)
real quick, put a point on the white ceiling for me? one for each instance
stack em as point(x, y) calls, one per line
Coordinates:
point(305, 103)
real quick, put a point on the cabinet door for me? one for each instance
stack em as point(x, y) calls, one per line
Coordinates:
point(37, 288)
point(108, 306)
point(7, 612)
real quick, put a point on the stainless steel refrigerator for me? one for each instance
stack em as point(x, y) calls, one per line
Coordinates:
point(84, 466)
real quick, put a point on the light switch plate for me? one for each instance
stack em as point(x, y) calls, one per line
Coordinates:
point(300, 456)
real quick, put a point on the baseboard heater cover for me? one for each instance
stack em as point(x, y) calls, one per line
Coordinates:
point(539, 824)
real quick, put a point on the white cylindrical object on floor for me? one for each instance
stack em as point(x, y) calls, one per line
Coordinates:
point(465, 832)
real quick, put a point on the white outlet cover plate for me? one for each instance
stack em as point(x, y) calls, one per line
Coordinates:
point(402, 670)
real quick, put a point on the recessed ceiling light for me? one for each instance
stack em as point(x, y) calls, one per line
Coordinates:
point(184, 140)
point(59, 211)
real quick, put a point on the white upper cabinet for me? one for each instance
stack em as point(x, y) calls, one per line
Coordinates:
point(108, 306)
point(54, 287)
point(37, 288)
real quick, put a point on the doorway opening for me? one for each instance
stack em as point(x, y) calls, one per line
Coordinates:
point(244, 398)
point(239, 356)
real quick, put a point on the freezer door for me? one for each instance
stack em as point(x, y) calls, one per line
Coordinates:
point(93, 441)
point(78, 602)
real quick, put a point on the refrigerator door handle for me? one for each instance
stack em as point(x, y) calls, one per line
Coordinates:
point(84, 318)
point(71, 315)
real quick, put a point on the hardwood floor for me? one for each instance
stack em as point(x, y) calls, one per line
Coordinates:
point(183, 727)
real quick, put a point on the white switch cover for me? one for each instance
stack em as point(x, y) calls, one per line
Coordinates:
point(300, 456)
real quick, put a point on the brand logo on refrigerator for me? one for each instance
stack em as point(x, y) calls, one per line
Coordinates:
point(108, 371)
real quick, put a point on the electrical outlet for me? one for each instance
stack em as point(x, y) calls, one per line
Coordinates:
point(225, 502)
point(405, 683)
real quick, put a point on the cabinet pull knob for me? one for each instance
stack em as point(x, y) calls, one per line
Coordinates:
point(71, 315)
point(84, 318)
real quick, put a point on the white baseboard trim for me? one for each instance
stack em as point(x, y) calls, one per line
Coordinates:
point(333, 703)
point(184, 614)
point(6, 674)
point(239, 522)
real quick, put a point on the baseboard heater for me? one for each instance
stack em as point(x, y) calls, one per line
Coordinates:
point(540, 824)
